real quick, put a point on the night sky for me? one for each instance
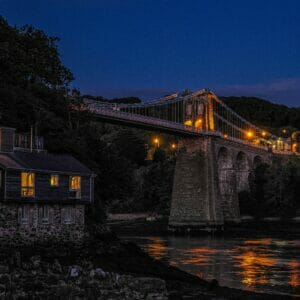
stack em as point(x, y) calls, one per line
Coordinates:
point(150, 48)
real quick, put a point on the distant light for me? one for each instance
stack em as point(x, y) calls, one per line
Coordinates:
point(284, 130)
point(225, 136)
point(250, 134)
point(198, 123)
point(264, 133)
point(188, 123)
point(156, 142)
point(173, 146)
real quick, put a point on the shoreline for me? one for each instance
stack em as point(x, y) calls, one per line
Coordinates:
point(103, 264)
point(159, 226)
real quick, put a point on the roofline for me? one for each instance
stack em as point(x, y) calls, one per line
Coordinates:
point(51, 171)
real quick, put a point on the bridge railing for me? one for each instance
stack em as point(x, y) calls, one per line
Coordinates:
point(113, 110)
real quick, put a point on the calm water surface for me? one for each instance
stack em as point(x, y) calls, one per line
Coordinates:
point(261, 264)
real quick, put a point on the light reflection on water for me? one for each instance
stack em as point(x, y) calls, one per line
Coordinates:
point(262, 264)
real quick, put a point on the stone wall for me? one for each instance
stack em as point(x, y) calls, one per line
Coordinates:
point(26, 223)
point(209, 173)
point(196, 200)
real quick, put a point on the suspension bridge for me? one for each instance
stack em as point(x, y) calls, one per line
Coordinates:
point(217, 150)
point(198, 114)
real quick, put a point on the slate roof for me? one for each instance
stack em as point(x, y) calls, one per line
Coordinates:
point(44, 162)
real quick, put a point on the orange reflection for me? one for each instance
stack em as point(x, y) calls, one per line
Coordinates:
point(195, 260)
point(295, 273)
point(264, 242)
point(203, 250)
point(198, 256)
point(157, 249)
point(255, 267)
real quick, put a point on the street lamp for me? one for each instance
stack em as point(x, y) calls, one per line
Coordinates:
point(250, 134)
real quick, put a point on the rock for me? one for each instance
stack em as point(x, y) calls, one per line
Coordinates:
point(149, 284)
point(99, 273)
point(213, 284)
point(74, 271)
point(3, 269)
point(36, 261)
point(57, 268)
point(4, 278)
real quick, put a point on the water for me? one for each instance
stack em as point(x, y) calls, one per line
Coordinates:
point(269, 265)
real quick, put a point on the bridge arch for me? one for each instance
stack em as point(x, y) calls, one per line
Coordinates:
point(257, 160)
point(242, 171)
point(227, 185)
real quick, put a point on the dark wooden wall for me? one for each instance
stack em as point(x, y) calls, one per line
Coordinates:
point(43, 189)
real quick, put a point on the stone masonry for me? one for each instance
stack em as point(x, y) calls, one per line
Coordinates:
point(209, 173)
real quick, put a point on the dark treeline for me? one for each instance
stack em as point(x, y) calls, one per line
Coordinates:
point(35, 91)
point(265, 114)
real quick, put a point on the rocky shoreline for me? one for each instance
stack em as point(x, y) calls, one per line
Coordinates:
point(102, 267)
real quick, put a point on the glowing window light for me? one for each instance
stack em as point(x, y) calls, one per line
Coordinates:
point(54, 179)
point(27, 184)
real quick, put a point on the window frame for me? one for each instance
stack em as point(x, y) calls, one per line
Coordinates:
point(76, 190)
point(28, 187)
point(50, 180)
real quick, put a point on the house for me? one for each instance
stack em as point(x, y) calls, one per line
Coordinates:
point(42, 195)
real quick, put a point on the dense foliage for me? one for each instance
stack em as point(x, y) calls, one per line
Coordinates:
point(34, 91)
point(265, 114)
point(274, 190)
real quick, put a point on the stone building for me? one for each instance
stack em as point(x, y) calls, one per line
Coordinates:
point(42, 195)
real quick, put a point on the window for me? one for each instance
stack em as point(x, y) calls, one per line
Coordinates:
point(23, 214)
point(44, 214)
point(27, 184)
point(68, 215)
point(54, 180)
point(75, 186)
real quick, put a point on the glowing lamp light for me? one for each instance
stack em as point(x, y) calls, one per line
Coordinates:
point(250, 134)
point(284, 130)
point(156, 142)
point(173, 146)
point(188, 123)
point(198, 123)
point(226, 136)
point(294, 147)
point(263, 133)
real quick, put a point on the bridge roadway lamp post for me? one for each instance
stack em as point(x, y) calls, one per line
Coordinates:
point(156, 142)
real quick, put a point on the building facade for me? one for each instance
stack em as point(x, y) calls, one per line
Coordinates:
point(42, 195)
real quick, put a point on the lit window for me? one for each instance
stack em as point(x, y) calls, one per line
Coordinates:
point(54, 180)
point(75, 186)
point(27, 184)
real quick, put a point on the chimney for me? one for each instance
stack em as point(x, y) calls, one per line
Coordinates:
point(7, 139)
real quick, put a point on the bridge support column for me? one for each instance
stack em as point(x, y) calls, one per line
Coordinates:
point(196, 200)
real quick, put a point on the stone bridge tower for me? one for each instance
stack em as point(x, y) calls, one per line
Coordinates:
point(209, 173)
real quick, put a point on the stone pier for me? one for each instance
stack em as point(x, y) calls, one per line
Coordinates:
point(209, 173)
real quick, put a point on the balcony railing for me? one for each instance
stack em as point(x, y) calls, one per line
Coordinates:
point(27, 142)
